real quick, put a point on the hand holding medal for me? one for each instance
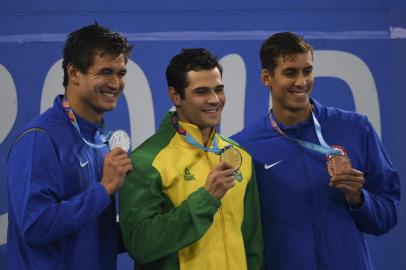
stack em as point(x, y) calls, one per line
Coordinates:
point(350, 181)
point(345, 178)
point(116, 163)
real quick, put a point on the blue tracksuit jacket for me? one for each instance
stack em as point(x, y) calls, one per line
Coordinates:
point(307, 224)
point(60, 216)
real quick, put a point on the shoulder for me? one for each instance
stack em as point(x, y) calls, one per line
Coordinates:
point(236, 145)
point(36, 126)
point(337, 116)
point(49, 128)
point(50, 120)
point(153, 145)
point(252, 131)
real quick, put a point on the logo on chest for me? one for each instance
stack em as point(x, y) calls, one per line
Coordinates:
point(83, 164)
point(187, 175)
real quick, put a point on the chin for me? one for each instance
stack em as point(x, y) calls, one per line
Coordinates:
point(108, 108)
point(299, 105)
point(213, 124)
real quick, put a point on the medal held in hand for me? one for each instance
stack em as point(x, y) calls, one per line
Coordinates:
point(119, 138)
point(336, 164)
point(232, 156)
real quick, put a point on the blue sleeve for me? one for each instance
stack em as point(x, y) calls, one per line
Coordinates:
point(36, 196)
point(381, 190)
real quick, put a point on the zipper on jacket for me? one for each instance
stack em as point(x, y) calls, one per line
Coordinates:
point(223, 227)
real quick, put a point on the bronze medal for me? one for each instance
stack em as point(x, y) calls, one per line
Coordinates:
point(233, 157)
point(336, 164)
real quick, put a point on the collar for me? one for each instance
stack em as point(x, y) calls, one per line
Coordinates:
point(304, 124)
point(193, 130)
point(87, 128)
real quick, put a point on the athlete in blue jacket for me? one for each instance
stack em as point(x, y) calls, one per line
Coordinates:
point(324, 177)
point(61, 176)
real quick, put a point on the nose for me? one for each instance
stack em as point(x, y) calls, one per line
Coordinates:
point(300, 81)
point(115, 82)
point(213, 98)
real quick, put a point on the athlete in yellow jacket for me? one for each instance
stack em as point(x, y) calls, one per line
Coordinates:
point(191, 201)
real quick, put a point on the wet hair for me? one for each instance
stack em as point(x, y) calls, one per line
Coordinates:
point(82, 45)
point(285, 44)
point(194, 59)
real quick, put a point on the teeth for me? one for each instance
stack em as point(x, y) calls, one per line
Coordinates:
point(108, 94)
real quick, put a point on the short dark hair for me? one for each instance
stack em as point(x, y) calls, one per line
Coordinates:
point(193, 59)
point(285, 44)
point(82, 45)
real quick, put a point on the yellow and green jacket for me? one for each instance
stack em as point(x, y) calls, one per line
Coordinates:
point(169, 221)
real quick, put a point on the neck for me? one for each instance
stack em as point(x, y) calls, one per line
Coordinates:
point(83, 110)
point(290, 118)
point(206, 132)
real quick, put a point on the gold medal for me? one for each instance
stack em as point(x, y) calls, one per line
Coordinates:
point(233, 157)
point(336, 164)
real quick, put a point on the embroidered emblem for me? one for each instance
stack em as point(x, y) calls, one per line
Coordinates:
point(238, 175)
point(188, 176)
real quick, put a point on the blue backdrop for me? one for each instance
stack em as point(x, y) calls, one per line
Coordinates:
point(359, 65)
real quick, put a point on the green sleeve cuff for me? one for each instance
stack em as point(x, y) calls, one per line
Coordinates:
point(202, 204)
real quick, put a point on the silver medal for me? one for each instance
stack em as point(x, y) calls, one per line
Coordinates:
point(119, 138)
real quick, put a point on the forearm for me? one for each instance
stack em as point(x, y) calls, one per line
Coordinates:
point(377, 215)
point(151, 233)
point(381, 192)
point(47, 220)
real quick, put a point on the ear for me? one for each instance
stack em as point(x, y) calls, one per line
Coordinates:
point(266, 77)
point(174, 96)
point(73, 74)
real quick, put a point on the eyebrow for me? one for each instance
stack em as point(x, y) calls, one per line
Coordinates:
point(201, 88)
point(208, 88)
point(294, 68)
point(111, 69)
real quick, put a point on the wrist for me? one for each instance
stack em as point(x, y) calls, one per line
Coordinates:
point(356, 201)
point(109, 189)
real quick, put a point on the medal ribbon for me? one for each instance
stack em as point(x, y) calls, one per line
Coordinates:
point(72, 119)
point(323, 148)
point(189, 138)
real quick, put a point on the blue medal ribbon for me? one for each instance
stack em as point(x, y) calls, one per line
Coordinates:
point(189, 138)
point(323, 148)
point(72, 119)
